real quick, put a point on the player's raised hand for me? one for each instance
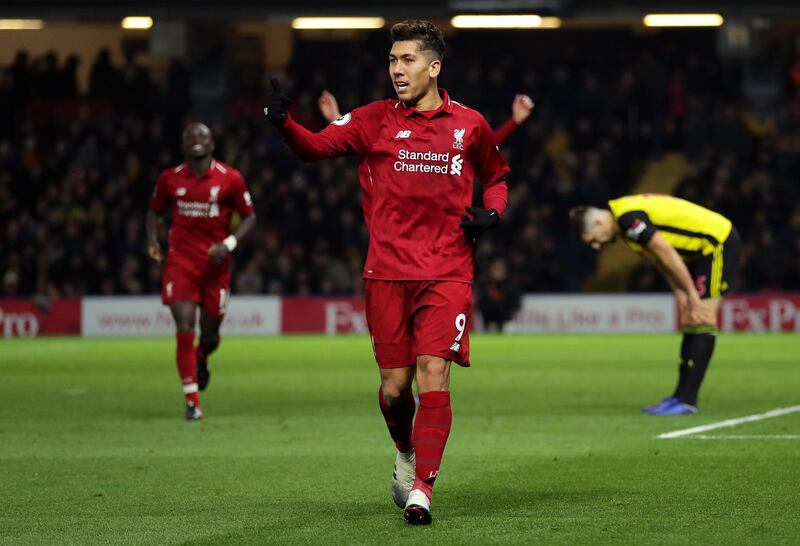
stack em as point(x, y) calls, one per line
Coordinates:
point(276, 104)
point(217, 253)
point(482, 219)
point(154, 251)
point(328, 106)
point(521, 108)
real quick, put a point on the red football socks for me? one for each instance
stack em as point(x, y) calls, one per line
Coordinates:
point(399, 419)
point(431, 430)
point(187, 366)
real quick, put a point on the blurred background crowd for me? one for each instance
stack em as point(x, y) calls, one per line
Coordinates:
point(77, 168)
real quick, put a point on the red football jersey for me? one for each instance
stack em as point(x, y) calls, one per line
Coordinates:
point(201, 210)
point(420, 168)
point(501, 134)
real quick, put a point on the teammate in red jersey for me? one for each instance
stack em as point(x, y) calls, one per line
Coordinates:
point(421, 153)
point(202, 194)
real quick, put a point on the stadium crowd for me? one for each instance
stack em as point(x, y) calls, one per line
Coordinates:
point(77, 169)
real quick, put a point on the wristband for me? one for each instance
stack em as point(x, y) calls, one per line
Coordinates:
point(230, 242)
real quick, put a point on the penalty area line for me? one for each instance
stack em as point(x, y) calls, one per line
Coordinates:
point(728, 423)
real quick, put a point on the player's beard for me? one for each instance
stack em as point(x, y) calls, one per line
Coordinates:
point(412, 95)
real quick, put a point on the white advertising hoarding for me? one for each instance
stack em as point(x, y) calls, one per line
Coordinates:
point(596, 313)
point(271, 315)
point(147, 316)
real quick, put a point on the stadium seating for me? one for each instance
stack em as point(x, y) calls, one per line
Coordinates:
point(77, 167)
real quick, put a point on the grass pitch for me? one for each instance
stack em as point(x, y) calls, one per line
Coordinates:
point(548, 445)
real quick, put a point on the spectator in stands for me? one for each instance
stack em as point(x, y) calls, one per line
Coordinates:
point(104, 78)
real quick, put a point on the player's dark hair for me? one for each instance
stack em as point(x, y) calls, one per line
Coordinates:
point(577, 222)
point(193, 124)
point(428, 35)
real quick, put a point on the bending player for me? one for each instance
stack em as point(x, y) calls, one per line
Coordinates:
point(202, 194)
point(420, 155)
point(696, 249)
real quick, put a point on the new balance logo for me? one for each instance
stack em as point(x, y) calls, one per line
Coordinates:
point(455, 347)
point(456, 164)
point(403, 134)
point(180, 192)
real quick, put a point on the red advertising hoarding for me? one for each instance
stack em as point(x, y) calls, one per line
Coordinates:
point(323, 315)
point(768, 313)
point(21, 318)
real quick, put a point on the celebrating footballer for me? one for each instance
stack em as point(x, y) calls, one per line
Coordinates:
point(421, 153)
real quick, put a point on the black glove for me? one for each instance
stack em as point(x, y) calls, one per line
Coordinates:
point(276, 103)
point(482, 220)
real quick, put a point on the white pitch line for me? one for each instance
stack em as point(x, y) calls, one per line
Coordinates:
point(729, 423)
point(744, 437)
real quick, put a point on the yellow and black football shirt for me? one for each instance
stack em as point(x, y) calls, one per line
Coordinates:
point(704, 239)
point(693, 231)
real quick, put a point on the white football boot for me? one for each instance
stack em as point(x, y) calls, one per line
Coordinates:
point(418, 509)
point(403, 475)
